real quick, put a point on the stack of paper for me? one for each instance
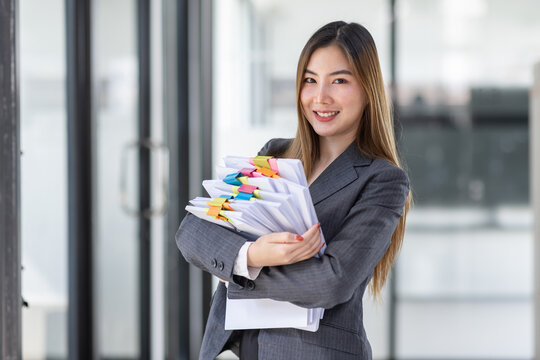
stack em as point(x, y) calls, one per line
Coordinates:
point(257, 196)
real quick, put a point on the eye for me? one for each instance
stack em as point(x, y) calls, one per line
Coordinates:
point(339, 81)
point(309, 80)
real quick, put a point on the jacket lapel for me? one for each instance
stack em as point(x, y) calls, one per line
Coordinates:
point(338, 174)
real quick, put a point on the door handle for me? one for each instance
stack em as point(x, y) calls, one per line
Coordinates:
point(159, 161)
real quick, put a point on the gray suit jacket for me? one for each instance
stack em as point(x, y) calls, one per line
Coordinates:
point(358, 201)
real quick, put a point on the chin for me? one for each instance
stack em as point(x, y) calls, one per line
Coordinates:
point(324, 132)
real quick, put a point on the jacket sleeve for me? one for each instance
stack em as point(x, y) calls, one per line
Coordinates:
point(209, 246)
point(350, 257)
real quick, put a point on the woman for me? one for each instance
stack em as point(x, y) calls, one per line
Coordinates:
point(361, 195)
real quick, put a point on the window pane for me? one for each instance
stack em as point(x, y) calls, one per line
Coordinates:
point(466, 267)
point(43, 179)
point(116, 260)
point(256, 49)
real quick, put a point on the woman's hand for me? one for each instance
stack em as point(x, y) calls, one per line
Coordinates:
point(284, 248)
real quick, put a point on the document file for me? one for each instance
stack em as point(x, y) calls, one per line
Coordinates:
point(257, 196)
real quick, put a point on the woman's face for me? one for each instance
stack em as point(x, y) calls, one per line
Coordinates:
point(331, 96)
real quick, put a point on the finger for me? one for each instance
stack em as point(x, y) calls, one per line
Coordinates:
point(313, 237)
point(314, 247)
point(312, 230)
point(285, 238)
point(310, 248)
point(319, 248)
point(293, 247)
point(310, 238)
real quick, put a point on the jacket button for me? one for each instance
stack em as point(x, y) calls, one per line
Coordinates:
point(221, 266)
point(214, 263)
point(250, 285)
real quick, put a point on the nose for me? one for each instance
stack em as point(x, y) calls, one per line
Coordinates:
point(323, 94)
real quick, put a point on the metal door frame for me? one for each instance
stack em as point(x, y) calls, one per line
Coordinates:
point(10, 198)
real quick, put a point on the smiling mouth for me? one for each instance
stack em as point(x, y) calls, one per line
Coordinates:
point(326, 114)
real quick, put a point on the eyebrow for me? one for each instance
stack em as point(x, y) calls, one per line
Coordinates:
point(339, 72)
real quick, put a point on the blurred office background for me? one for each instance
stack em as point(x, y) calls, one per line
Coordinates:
point(222, 82)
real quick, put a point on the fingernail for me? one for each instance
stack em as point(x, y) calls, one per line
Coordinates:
point(299, 238)
point(318, 225)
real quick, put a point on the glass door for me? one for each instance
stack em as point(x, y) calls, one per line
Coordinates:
point(43, 179)
point(131, 179)
point(125, 290)
point(116, 128)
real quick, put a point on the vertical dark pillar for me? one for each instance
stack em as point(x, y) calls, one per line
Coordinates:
point(200, 145)
point(206, 101)
point(177, 135)
point(80, 180)
point(143, 49)
point(182, 167)
point(188, 92)
point(10, 252)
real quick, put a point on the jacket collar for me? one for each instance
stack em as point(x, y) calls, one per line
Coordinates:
point(338, 174)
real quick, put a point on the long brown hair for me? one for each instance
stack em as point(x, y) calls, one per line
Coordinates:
point(375, 137)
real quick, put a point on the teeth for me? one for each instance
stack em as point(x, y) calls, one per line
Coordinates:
point(326, 114)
